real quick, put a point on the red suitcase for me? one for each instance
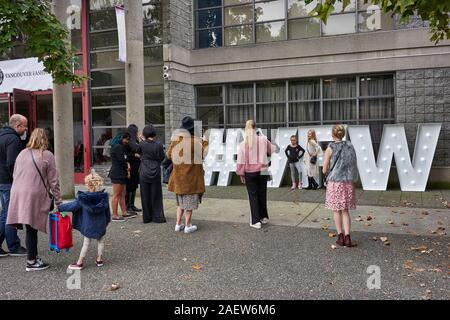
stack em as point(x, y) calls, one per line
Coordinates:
point(60, 232)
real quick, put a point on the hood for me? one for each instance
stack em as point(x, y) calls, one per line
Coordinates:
point(94, 202)
point(132, 130)
point(7, 131)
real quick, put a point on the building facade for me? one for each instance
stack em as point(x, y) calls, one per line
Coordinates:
point(232, 60)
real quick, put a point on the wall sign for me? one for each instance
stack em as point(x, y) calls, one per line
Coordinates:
point(374, 173)
point(25, 74)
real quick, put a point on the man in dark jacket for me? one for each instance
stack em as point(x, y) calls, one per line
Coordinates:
point(10, 146)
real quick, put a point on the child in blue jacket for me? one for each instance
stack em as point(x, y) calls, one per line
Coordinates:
point(91, 216)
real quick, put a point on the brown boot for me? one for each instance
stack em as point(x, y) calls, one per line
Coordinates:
point(348, 242)
point(340, 240)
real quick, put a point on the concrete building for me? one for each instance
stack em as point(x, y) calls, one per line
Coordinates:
point(231, 60)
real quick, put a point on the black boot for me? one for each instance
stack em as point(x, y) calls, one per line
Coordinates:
point(315, 184)
point(132, 199)
point(310, 184)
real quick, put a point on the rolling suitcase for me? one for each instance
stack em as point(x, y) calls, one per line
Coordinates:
point(60, 232)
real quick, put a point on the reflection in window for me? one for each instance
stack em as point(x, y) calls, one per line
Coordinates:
point(304, 28)
point(269, 10)
point(238, 35)
point(272, 31)
point(339, 24)
point(154, 114)
point(238, 15)
point(298, 8)
point(209, 38)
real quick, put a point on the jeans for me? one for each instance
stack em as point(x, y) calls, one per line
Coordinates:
point(7, 232)
point(296, 167)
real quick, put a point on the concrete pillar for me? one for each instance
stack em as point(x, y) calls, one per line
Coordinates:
point(134, 68)
point(63, 120)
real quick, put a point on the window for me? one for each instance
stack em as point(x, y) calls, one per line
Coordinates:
point(239, 22)
point(367, 99)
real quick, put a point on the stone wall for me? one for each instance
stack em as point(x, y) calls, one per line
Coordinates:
point(423, 96)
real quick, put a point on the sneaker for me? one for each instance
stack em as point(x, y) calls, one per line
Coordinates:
point(19, 252)
point(256, 225)
point(190, 229)
point(76, 266)
point(265, 221)
point(38, 265)
point(3, 253)
point(99, 263)
point(129, 215)
point(118, 219)
point(179, 227)
point(135, 209)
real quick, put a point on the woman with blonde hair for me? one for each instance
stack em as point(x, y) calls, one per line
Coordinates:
point(310, 159)
point(341, 170)
point(252, 165)
point(34, 190)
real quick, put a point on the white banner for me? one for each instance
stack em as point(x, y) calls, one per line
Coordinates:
point(25, 74)
point(120, 16)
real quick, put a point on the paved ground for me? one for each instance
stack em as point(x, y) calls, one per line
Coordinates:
point(290, 259)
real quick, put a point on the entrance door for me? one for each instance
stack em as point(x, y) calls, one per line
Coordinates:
point(24, 105)
point(4, 109)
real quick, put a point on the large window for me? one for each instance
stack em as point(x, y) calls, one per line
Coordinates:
point(273, 104)
point(108, 74)
point(238, 22)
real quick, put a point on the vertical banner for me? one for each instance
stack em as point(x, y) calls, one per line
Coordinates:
point(120, 17)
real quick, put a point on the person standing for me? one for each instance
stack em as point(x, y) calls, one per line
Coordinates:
point(119, 174)
point(310, 159)
point(252, 165)
point(341, 169)
point(35, 186)
point(152, 154)
point(186, 151)
point(10, 147)
point(134, 159)
point(294, 152)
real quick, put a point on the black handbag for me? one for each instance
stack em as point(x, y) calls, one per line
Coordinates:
point(50, 195)
point(312, 159)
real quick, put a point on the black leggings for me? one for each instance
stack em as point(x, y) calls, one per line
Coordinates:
point(31, 242)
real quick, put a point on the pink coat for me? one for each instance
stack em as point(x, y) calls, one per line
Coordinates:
point(254, 158)
point(29, 201)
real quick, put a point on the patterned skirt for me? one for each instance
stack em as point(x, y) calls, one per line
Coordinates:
point(188, 201)
point(340, 196)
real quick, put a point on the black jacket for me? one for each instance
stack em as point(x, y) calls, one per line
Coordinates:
point(152, 154)
point(294, 154)
point(10, 147)
point(119, 163)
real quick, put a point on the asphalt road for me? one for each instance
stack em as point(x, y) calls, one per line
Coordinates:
point(231, 261)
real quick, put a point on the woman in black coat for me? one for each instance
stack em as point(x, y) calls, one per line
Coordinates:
point(152, 154)
point(119, 174)
point(134, 159)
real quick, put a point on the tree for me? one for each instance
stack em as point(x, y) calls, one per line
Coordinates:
point(434, 11)
point(43, 35)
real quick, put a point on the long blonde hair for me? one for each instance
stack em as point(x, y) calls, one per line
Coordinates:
point(313, 135)
point(250, 132)
point(38, 140)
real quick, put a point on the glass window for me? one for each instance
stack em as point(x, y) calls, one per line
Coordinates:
point(103, 40)
point(231, 2)
point(108, 97)
point(209, 38)
point(106, 59)
point(108, 78)
point(154, 94)
point(373, 19)
point(240, 93)
point(4, 114)
point(154, 114)
point(239, 114)
point(153, 75)
point(351, 7)
point(304, 90)
point(298, 8)
point(274, 112)
point(153, 55)
point(269, 10)
point(376, 109)
point(238, 15)
point(304, 111)
point(209, 18)
point(238, 35)
point(208, 3)
point(102, 148)
point(340, 110)
point(339, 24)
point(152, 13)
point(336, 88)
point(109, 117)
point(303, 28)
point(152, 35)
point(270, 92)
point(211, 115)
point(102, 4)
point(209, 95)
point(271, 31)
point(104, 19)
point(376, 86)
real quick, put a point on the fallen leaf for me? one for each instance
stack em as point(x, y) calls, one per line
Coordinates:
point(314, 220)
point(440, 223)
point(422, 284)
point(390, 222)
point(333, 246)
point(325, 227)
point(184, 259)
point(434, 270)
point(137, 231)
point(419, 248)
point(369, 218)
point(374, 238)
point(197, 267)
point(359, 218)
point(331, 234)
point(408, 264)
point(326, 218)
point(387, 243)
point(114, 287)
point(425, 213)
point(383, 239)
point(405, 224)
point(426, 251)
point(428, 291)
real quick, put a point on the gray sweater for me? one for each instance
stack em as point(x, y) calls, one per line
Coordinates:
point(343, 167)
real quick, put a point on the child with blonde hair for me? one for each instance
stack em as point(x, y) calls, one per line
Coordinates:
point(91, 216)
